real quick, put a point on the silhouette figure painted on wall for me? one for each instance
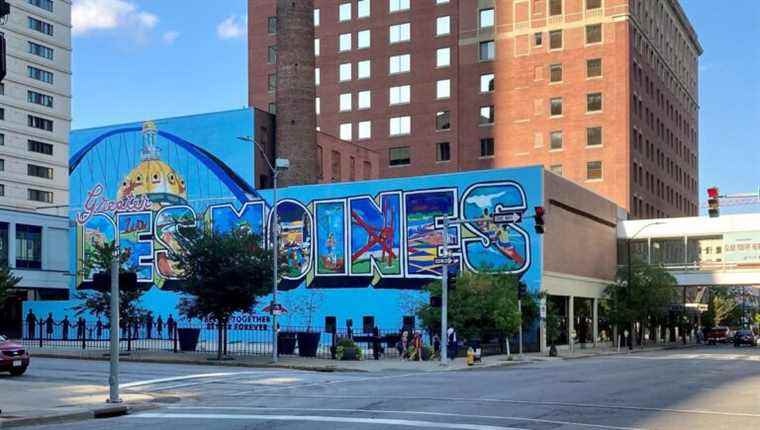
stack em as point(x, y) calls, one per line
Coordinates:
point(99, 329)
point(49, 325)
point(170, 326)
point(65, 325)
point(80, 329)
point(136, 330)
point(160, 327)
point(149, 325)
point(31, 323)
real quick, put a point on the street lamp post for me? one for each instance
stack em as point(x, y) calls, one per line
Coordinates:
point(628, 247)
point(280, 164)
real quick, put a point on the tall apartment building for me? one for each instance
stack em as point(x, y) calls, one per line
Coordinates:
point(35, 105)
point(603, 92)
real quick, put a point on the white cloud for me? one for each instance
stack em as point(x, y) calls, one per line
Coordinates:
point(233, 27)
point(170, 37)
point(94, 15)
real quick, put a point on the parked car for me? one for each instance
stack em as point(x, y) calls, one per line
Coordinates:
point(718, 335)
point(744, 337)
point(13, 357)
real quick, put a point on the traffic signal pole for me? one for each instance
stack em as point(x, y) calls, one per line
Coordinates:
point(445, 294)
point(113, 379)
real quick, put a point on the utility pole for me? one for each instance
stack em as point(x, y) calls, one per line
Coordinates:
point(113, 379)
point(445, 293)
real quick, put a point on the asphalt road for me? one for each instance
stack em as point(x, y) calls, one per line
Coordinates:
point(697, 388)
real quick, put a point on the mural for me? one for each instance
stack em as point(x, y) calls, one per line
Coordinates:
point(367, 247)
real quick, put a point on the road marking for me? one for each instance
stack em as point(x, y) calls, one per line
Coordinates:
point(319, 384)
point(525, 402)
point(385, 411)
point(186, 377)
point(328, 419)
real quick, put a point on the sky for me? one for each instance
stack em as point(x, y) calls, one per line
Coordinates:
point(144, 59)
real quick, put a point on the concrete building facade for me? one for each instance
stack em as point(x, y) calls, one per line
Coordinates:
point(35, 106)
point(603, 92)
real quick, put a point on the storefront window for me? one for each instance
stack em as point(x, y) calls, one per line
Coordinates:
point(705, 250)
point(668, 252)
point(28, 246)
point(3, 243)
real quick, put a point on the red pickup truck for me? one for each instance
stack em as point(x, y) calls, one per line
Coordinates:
point(718, 335)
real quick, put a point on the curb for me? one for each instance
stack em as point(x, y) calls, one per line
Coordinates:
point(94, 413)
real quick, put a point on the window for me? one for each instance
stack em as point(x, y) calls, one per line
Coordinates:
point(272, 108)
point(594, 33)
point(443, 89)
point(39, 171)
point(2, 194)
point(29, 241)
point(400, 125)
point(399, 64)
point(487, 50)
point(316, 17)
point(272, 25)
point(556, 169)
point(40, 123)
point(317, 105)
point(399, 156)
point(316, 47)
point(335, 166)
point(443, 120)
point(364, 69)
point(555, 39)
point(41, 26)
point(442, 151)
point(363, 39)
point(486, 115)
point(2, 139)
point(442, 25)
point(594, 102)
point(399, 95)
point(344, 12)
point(345, 102)
point(555, 140)
point(344, 42)
point(555, 73)
point(594, 170)
point(43, 4)
point(317, 79)
point(593, 4)
point(344, 72)
point(2, 113)
point(2, 165)
point(346, 131)
point(400, 33)
point(486, 18)
point(594, 68)
point(39, 74)
point(40, 50)
point(487, 83)
point(366, 170)
point(272, 54)
point(555, 106)
point(486, 147)
point(441, 1)
point(39, 99)
point(272, 82)
point(398, 5)
point(365, 129)
point(443, 57)
point(555, 7)
point(364, 99)
point(594, 136)
point(363, 8)
point(538, 39)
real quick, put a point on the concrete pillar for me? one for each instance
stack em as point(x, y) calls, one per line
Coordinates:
point(571, 322)
point(595, 323)
point(542, 340)
point(12, 245)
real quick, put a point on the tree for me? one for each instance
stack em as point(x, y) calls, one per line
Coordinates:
point(224, 273)
point(7, 281)
point(646, 300)
point(723, 305)
point(100, 258)
point(553, 325)
point(481, 306)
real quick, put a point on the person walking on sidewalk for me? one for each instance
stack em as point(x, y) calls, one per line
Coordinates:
point(31, 323)
point(451, 343)
point(376, 348)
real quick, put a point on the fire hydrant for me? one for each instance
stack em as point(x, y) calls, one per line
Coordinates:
point(470, 356)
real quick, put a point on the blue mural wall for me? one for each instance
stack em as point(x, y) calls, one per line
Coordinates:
point(352, 249)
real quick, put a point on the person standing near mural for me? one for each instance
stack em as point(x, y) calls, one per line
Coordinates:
point(451, 343)
point(49, 325)
point(31, 324)
point(376, 348)
point(160, 327)
point(404, 344)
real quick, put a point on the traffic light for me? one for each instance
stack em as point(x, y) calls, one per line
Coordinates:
point(452, 284)
point(539, 219)
point(713, 203)
point(522, 290)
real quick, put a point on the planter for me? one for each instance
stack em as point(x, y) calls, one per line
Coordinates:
point(308, 343)
point(286, 343)
point(350, 354)
point(188, 338)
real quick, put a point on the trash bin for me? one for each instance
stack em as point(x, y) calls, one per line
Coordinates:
point(188, 338)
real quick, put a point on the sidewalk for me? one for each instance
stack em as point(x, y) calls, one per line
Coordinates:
point(327, 365)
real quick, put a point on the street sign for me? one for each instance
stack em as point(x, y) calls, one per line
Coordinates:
point(503, 218)
point(542, 310)
point(275, 309)
point(445, 260)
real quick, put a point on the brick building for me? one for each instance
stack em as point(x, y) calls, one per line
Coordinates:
point(584, 87)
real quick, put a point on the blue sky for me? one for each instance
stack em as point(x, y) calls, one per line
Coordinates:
point(136, 60)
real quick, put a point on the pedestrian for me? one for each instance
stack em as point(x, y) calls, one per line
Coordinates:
point(376, 348)
point(65, 324)
point(436, 345)
point(49, 323)
point(404, 344)
point(149, 325)
point(136, 329)
point(350, 329)
point(31, 324)
point(160, 327)
point(451, 343)
point(170, 326)
point(417, 346)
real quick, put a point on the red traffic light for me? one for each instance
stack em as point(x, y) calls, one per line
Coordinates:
point(539, 211)
point(539, 219)
point(712, 192)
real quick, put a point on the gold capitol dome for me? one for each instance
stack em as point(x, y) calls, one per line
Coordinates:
point(153, 177)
